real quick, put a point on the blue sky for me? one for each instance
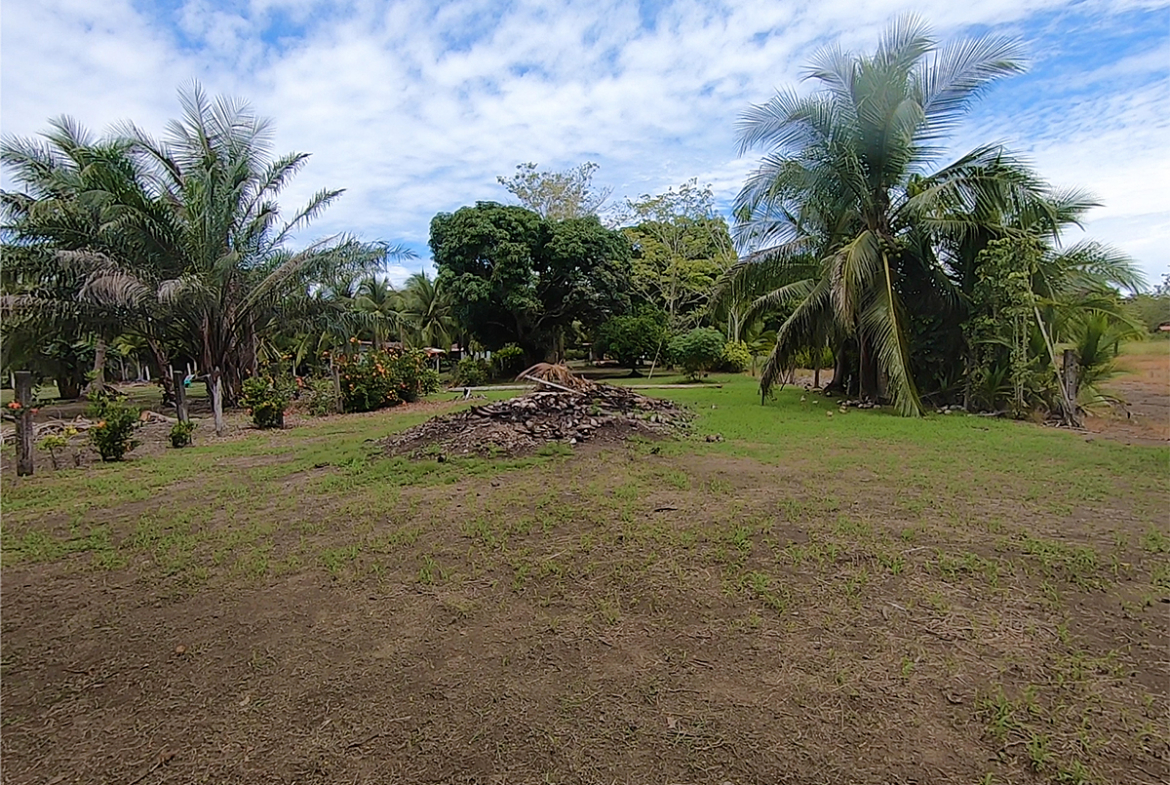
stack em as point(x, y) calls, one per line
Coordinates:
point(415, 107)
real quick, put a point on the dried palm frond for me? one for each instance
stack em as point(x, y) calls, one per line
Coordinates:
point(557, 373)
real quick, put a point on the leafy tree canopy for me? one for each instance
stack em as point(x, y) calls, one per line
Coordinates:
point(681, 247)
point(515, 277)
point(557, 195)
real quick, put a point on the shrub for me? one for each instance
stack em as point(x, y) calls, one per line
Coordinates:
point(413, 374)
point(112, 433)
point(809, 357)
point(697, 351)
point(508, 361)
point(51, 444)
point(471, 372)
point(181, 434)
point(379, 378)
point(735, 358)
point(322, 397)
point(266, 400)
point(628, 339)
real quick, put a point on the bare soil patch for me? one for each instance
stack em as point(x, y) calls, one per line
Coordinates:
point(623, 615)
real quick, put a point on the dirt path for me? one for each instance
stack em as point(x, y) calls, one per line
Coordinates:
point(1143, 387)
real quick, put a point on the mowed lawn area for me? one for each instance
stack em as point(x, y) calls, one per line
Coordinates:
point(817, 598)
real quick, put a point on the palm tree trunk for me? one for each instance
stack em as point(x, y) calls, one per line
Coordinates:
point(868, 372)
point(161, 360)
point(98, 382)
point(215, 381)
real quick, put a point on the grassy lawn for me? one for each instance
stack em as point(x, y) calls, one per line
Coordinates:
point(820, 597)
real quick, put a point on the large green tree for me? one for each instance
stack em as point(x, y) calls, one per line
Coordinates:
point(868, 241)
point(69, 219)
point(515, 277)
point(681, 246)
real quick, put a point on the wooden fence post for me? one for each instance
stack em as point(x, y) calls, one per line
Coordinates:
point(1069, 374)
point(180, 396)
point(24, 424)
point(337, 387)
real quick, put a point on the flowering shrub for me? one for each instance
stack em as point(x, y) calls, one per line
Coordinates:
point(112, 433)
point(265, 399)
point(379, 378)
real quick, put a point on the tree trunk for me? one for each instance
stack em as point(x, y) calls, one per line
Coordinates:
point(869, 389)
point(216, 384)
point(162, 361)
point(817, 374)
point(98, 381)
point(841, 382)
point(68, 387)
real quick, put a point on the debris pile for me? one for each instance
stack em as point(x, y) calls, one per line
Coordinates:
point(595, 412)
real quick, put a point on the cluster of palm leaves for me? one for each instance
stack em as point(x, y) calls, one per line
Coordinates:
point(858, 239)
point(179, 245)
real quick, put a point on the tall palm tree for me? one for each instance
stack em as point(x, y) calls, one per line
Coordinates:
point(66, 218)
point(224, 234)
point(382, 306)
point(848, 185)
point(427, 310)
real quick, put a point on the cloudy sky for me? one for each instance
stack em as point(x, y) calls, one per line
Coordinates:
point(415, 107)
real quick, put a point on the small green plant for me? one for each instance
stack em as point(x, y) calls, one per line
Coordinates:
point(697, 351)
point(112, 433)
point(51, 444)
point(322, 397)
point(181, 434)
point(266, 400)
point(508, 361)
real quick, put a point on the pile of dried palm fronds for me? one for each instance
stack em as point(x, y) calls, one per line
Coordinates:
point(557, 373)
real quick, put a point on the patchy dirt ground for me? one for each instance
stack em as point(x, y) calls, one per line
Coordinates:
point(1143, 387)
point(813, 600)
point(630, 615)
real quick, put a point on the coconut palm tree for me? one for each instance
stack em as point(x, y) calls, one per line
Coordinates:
point(427, 311)
point(849, 183)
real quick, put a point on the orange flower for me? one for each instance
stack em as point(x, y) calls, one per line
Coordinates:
point(101, 424)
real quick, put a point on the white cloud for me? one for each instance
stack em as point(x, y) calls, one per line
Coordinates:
point(415, 107)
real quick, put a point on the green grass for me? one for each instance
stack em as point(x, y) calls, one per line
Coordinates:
point(958, 544)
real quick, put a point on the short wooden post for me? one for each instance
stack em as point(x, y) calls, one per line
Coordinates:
point(24, 424)
point(180, 395)
point(1069, 374)
point(337, 387)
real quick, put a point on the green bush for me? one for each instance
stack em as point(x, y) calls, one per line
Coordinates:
point(413, 374)
point(471, 372)
point(736, 358)
point(266, 400)
point(380, 378)
point(628, 339)
point(697, 351)
point(322, 397)
point(809, 357)
point(508, 361)
point(181, 434)
point(112, 433)
point(367, 381)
